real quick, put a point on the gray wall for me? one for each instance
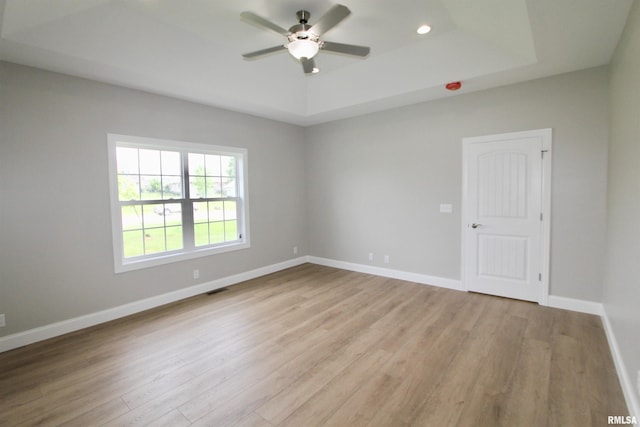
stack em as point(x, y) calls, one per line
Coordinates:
point(375, 182)
point(56, 259)
point(621, 290)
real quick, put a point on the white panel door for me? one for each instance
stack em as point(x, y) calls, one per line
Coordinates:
point(503, 206)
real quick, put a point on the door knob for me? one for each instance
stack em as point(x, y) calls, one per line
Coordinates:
point(474, 225)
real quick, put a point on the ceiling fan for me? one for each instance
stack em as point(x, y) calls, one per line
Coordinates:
point(304, 40)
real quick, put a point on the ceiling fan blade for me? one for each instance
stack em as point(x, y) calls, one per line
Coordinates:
point(259, 53)
point(262, 22)
point(308, 65)
point(349, 49)
point(333, 17)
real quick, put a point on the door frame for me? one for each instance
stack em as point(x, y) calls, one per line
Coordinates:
point(545, 243)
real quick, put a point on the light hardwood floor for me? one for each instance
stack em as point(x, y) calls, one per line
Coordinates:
point(313, 346)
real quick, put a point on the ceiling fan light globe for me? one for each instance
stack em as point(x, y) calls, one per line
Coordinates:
point(303, 48)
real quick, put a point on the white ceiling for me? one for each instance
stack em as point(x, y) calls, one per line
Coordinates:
point(192, 49)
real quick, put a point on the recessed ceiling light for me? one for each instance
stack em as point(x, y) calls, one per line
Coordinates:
point(424, 29)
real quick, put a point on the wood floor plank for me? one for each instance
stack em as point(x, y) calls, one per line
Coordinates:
point(316, 410)
point(315, 377)
point(203, 387)
point(57, 407)
point(526, 401)
point(97, 415)
point(253, 420)
point(172, 419)
point(419, 365)
point(445, 405)
point(360, 408)
point(244, 388)
point(231, 407)
point(485, 405)
point(314, 345)
point(567, 375)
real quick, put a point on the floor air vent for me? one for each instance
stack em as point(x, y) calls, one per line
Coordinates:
point(217, 291)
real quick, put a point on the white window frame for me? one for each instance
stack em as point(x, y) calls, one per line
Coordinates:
point(123, 264)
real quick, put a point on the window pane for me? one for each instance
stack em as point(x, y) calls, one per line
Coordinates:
point(214, 187)
point(212, 163)
point(127, 160)
point(153, 215)
point(128, 187)
point(228, 165)
point(208, 188)
point(201, 234)
point(196, 164)
point(216, 232)
point(131, 217)
point(174, 238)
point(230, 210)
point(150, 162)
point(171, 187)
point(197, 187)
point(154, 240)
point(151, 187)
point(172, 214)
point(229, 187)
point(231, 230)
point(132, 243)
point(171, 164)
point(200, 212)
point(216, 212)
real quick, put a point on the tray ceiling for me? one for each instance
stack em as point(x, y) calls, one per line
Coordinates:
point(192, 50)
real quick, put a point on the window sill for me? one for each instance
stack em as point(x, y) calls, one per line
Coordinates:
point(171, 258)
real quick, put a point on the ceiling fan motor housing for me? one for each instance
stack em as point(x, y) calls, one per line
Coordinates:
point(301, 31)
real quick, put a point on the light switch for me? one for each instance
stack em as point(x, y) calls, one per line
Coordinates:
point(446, 208)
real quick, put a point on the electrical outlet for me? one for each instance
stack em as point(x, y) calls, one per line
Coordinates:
point(295, 250)
point(370, 256)
point(2, 321)
point(386, 259)
point(196, 274)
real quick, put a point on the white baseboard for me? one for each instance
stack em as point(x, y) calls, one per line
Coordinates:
point(31, 336)
point(625, 381)
point(387, 272)
point(582, 306)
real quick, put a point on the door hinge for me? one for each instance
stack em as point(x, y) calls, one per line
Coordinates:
point(540, 216)
point(539, 277)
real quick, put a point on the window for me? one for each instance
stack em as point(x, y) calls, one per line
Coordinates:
point(173, 200)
